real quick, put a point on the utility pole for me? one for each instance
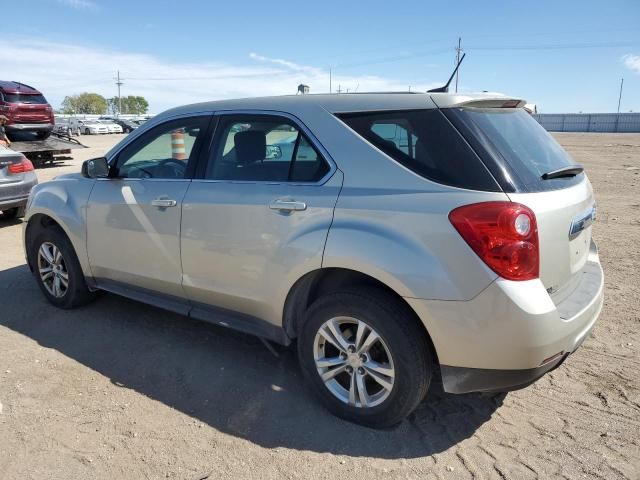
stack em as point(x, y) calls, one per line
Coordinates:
point(458, 51)
point(620, 96)
point(330, 80)
point(119, 83)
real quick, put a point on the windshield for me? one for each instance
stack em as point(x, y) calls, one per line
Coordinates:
point(525, 148)
point(24, 98)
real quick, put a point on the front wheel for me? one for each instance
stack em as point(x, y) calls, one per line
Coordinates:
point(365, 356)
point(87, 131)
point(57, 269)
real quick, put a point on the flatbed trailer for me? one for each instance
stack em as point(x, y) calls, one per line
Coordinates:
point(41, 152)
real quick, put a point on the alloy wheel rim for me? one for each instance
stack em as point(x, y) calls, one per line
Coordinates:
point(354, 362)
point(53, 270)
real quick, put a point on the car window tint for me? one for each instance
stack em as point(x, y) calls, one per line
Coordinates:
point(425, 142)
point(164, 152)
point(265, 149)
point(518, 144)
point(307, 166)
point(24, 98)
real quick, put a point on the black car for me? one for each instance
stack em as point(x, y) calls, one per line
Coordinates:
point(128, 126)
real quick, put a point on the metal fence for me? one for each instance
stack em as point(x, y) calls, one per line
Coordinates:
point(589, 122)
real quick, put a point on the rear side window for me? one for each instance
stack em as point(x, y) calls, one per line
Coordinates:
point(24, 98)
point(264, 148)
point(425, 142)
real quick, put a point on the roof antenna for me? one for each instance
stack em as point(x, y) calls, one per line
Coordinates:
point(446, 87)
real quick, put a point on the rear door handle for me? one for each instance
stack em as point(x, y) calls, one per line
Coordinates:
point(287, 205)
point(163, 202)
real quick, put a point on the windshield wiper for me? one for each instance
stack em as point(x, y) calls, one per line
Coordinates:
point(569, 171)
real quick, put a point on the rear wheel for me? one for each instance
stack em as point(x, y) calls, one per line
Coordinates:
point(58, 270)
point(87, 131)
point(365, 356)
point(17, 212)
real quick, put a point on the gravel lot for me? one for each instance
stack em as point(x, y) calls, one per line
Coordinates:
point(118, 389)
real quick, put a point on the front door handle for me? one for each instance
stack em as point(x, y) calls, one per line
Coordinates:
point(287, 205)
point(163, 202)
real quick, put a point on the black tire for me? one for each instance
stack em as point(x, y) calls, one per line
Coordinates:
point(16, 212)
point(43, 135)
point(87, 131)
point(77, 292)
point(406, 342)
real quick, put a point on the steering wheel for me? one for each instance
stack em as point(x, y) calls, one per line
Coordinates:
point(179, 167)
point(139, 172)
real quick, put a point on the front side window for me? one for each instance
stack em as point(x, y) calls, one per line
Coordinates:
point(262, 148)
point(425, 142)
point(164, 152)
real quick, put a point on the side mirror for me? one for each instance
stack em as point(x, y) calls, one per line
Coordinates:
point(273, 151)
point(95, 168)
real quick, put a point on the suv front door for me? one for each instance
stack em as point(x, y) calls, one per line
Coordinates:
point(133, 219)
point(256, 218)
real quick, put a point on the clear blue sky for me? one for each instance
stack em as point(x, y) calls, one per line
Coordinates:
point(181, 51)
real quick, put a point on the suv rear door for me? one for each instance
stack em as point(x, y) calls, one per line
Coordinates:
point(257, 216)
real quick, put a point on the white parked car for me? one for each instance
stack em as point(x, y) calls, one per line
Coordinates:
point(87, 127)
point(111, 126)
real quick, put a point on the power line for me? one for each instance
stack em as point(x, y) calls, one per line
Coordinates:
point(396, 58)
point(443, 41)
point(557, 46)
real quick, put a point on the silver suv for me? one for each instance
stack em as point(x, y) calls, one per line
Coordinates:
point(393, 236)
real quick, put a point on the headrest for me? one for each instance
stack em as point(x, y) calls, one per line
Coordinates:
point(250, 145)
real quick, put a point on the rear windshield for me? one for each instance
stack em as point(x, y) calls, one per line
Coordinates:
point(425, 142)
point(518, 143)
point(24, 98)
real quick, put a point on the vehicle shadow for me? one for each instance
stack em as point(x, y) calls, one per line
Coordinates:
point(8, 222)
point(225, 379)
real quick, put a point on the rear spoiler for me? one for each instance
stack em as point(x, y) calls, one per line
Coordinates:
point(448, 101)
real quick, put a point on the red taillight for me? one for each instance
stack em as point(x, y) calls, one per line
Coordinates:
point(503, 234)
point(22, 166)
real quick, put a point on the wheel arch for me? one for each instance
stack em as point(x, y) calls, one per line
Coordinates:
point(41, 219)
point(38, 221)
point(323, 281)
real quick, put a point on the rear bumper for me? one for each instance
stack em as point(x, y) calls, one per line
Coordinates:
point(6, 204)
point(466, 380)
point(16, 194)
point(505, 337)
point(29, 127)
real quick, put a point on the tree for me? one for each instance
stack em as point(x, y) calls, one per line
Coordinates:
point(132, 104)
point(91, 103)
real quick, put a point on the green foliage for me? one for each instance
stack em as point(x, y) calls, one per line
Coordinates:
point(131, 104)
point(90, 103)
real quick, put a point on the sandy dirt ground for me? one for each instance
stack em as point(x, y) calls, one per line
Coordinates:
point(118, 389)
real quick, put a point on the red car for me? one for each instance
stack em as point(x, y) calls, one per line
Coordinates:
point(26, 108)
